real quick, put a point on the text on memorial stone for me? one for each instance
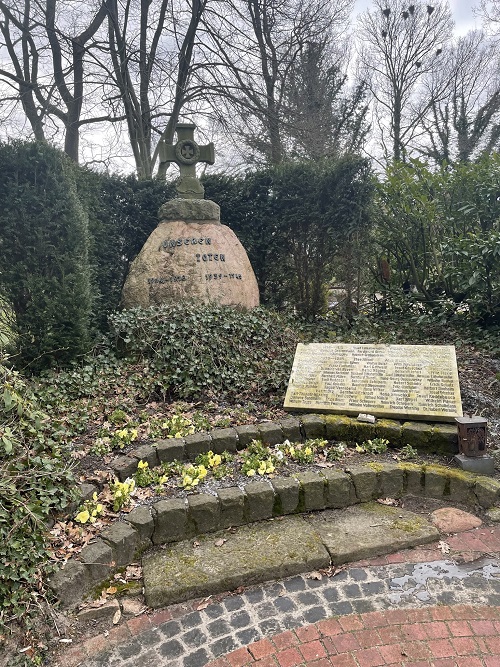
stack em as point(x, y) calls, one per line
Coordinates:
point(174, 243)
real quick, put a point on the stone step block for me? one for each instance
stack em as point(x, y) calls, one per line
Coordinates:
point(171, 521)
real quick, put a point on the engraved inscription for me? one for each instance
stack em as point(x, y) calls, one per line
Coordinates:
point(210, 257)
point(419, 381)
point(174, 243)
point(220, 276)
point(168, 279)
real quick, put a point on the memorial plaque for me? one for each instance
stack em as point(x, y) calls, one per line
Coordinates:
point(398, 381)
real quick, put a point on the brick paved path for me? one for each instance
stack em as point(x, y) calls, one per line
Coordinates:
point(410, 608)
point(460, 636)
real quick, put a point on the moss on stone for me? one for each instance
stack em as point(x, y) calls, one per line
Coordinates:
point(129, 588)
point(277, 505)
point(408, 525)
point(412, 467)
point(435, 468)
point(380, 509)
point(439, 438)
point(388, 429)
point(339, 427)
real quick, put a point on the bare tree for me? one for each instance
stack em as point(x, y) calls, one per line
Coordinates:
point(48, 46)
point(489, 10)
point(322, 117)
point(400, 43)
point(71, 64)
point(151, 48)
point(254, 44)
point(463, 118)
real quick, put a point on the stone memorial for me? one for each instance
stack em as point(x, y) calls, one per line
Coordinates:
point(398, 381)
point(190, 254)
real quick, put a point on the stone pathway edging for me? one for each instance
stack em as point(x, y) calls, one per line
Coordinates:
point(431, 438)
point(178, 519)
point(196, 633)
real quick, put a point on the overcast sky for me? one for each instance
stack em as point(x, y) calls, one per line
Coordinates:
point(461, 9)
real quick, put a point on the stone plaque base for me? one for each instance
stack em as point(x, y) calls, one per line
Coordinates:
point(200, 260)
point(400, 381)
point(482, 465)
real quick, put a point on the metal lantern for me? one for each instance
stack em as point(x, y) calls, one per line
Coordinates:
point(472, 436)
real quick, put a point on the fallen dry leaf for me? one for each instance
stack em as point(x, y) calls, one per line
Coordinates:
point(444, 546)
point(117, 616)
point(204, 603)
point(133, 606)
point(328, 571)
point(133, 572)
point(314, 575)
point(387, 501)
point(220, 542)
point(111, 590)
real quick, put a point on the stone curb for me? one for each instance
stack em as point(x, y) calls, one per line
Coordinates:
point(432, 438)
point(173, 520)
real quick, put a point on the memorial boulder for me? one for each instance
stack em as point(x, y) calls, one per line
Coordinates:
point(190, 254)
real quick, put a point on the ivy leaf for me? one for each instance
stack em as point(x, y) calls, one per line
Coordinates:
point(8, 399)
point(7, 443)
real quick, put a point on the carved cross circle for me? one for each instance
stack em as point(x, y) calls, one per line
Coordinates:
point(187, 151)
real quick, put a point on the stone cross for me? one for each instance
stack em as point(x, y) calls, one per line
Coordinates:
point(186, 153)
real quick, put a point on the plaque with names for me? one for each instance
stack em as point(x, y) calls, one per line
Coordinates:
point(396, 381)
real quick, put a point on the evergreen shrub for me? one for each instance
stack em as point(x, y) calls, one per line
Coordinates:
point(44, 266)
point(123, 212)
point(298, 223)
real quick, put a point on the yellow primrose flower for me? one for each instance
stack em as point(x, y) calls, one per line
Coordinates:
point(187, 480)
point(133, 434)
point(202, 472)
point(94, 496)
point(83, 516)
point(291, 451)
point(99, 508)
point(251, 472)
point(308, 451)
point(196, 481)
point(269, 468)
point(142, 465)
point(122, 433)
point(262, 469)
point(216, 461)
